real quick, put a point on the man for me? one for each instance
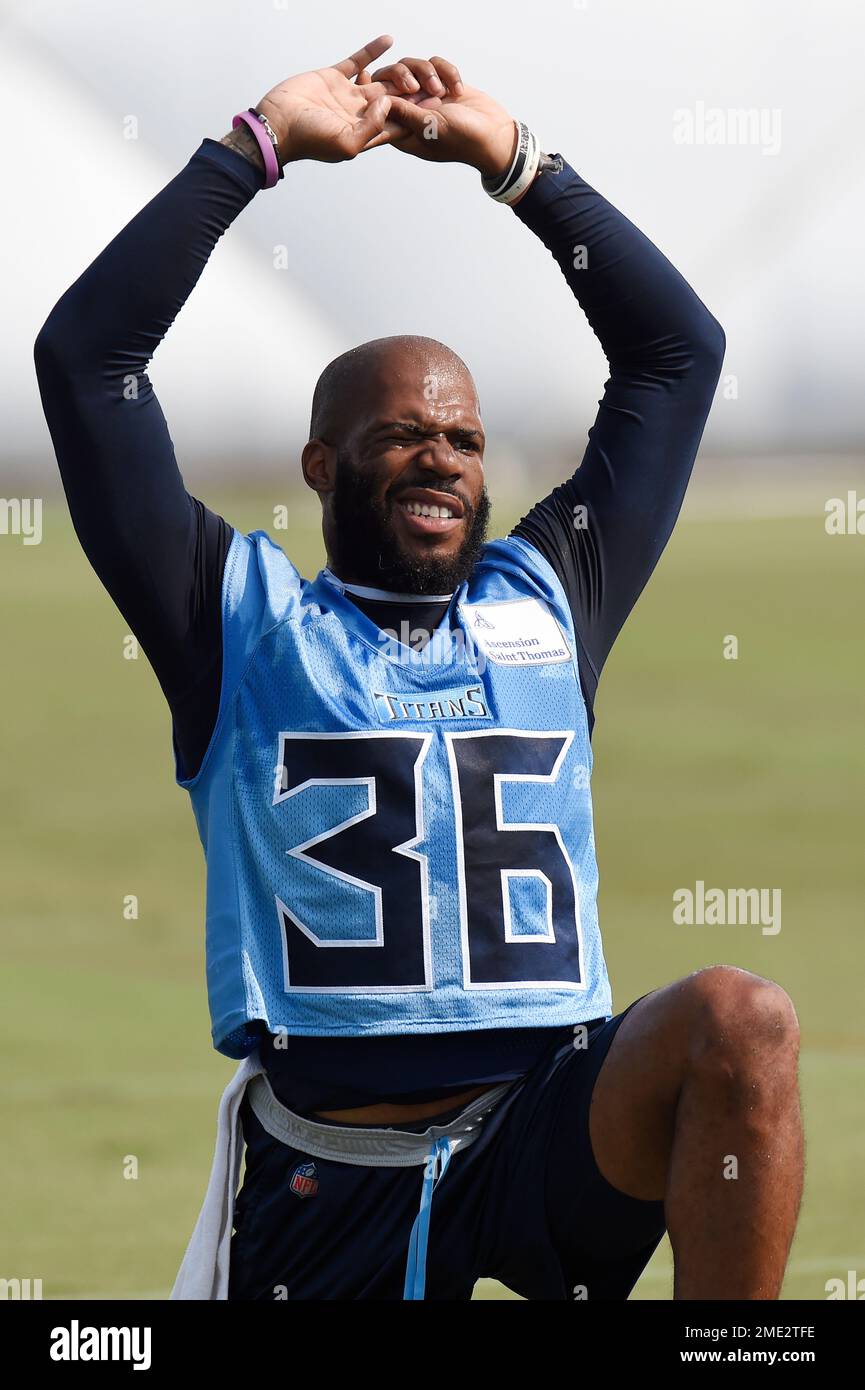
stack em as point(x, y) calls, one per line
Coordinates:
point(389, 767)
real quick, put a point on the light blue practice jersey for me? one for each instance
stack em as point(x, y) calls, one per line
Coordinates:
point(398, 841)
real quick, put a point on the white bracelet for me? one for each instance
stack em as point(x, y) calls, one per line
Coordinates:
point(506, 188)
point(530, 169)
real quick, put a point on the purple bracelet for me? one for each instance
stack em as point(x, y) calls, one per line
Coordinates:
point(266, 143)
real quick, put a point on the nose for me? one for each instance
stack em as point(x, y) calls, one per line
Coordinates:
point(438, 456)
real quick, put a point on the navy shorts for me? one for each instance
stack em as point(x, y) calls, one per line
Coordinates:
point(525, 1204)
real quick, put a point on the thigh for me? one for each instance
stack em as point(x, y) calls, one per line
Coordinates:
point(636, 1092)
point(562, 1231)
point(604, 1236)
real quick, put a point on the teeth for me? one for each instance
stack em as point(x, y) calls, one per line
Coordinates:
point(422, 509)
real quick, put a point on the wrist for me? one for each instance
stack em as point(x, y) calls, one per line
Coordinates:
point(279, 125)
point(495, 160)
point(510, 187)
point(244, 142)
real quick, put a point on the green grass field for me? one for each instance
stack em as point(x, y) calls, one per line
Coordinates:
point(741, 773)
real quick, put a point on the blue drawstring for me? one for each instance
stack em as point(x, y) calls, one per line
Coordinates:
point(415, 1272)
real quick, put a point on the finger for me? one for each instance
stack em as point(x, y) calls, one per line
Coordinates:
point(426, 75)
point(424, 102)
point(363, 78)
point(449, 74)
point(410, 116)
point(371, 91)
point(399, 76)
point(395, 131)
point(392, 134)
point(386, 136)
point(355, 138)
point(412, 74)
point(350, 67)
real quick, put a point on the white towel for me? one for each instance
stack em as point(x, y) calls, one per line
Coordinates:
point(204, 1271)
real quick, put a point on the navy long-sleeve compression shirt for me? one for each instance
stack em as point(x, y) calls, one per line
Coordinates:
point(160, 552)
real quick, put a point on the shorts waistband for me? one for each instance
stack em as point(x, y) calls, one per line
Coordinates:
point(370, 1148)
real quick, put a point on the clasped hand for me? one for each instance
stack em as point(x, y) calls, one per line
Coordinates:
point(420, 106)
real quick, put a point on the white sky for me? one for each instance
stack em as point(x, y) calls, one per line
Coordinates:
point(772, 243)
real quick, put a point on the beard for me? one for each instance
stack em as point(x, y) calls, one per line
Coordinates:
point(370, 548)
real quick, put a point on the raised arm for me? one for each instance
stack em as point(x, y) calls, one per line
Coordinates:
point(603, 530)
point(160, 552)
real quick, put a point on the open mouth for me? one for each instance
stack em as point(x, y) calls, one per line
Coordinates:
point(427, 513)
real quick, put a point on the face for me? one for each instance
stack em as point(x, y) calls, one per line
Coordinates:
point(405, 504)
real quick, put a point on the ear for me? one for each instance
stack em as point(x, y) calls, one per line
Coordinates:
point(318, 462)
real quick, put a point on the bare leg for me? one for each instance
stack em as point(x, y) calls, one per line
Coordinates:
point(697, 1102)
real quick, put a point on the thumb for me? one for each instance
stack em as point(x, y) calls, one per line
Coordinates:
point(411, 117)
point(371, 123)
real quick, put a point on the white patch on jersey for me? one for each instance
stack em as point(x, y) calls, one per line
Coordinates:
point(516, 632)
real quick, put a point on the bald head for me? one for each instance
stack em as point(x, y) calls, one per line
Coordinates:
point(348, 383)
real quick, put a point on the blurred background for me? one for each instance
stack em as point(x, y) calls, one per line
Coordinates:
point(731, 134)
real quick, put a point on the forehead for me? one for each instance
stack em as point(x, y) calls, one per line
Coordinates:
point(424, 389)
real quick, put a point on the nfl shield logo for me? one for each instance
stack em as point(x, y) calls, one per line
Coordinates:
point(303, 1180)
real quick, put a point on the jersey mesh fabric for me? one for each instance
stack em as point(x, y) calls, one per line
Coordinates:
point(304, 672)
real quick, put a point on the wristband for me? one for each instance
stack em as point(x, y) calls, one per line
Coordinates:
point(506, 188)
point(267, 143)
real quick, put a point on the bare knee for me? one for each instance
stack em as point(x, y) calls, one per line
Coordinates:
point(740, 1026)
